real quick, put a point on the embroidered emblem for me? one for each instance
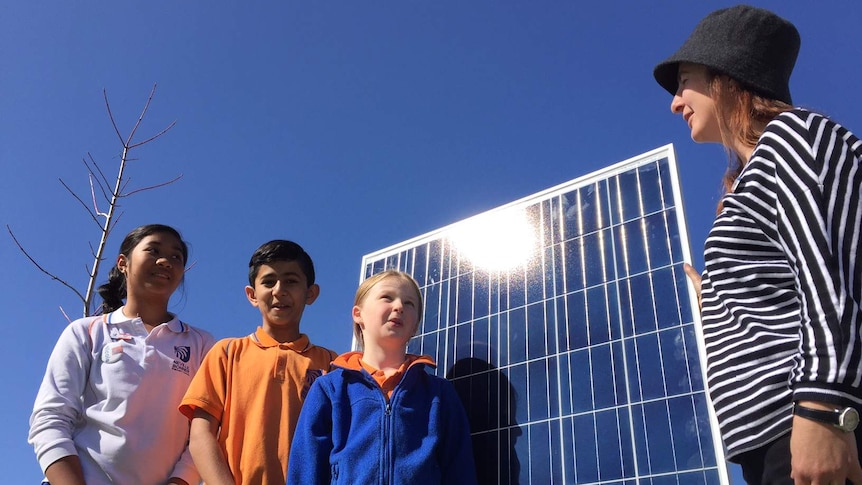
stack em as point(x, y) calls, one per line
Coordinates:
point(112, 352)
point(310, 376)
point(183, 352)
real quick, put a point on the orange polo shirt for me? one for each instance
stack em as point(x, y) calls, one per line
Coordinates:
point(255, 387)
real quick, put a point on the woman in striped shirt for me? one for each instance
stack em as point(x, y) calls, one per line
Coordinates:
point(781, 290)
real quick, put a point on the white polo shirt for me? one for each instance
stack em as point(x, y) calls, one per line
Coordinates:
point(110, 396)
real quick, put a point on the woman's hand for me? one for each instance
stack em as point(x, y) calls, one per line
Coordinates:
point(694, 277)
point(822, 454)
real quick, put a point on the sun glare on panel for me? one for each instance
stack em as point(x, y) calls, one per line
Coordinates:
point(496, 242)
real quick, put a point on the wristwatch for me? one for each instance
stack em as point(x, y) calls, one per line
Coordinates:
point(845, 419)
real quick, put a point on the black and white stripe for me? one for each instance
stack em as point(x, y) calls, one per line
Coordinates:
point(782, 288)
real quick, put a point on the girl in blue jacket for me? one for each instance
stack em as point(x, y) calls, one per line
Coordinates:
point(379, 418)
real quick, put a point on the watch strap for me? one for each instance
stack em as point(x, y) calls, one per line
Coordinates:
point(846, 419)
point(820, 415)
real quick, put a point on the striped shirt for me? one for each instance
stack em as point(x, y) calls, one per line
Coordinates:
point(782, 288)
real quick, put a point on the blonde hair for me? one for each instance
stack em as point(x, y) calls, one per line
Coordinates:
point(742, 116)
point(370, 282)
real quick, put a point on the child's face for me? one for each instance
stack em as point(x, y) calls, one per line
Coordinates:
point(389, 314)
point(281, 292)
point(155, 266)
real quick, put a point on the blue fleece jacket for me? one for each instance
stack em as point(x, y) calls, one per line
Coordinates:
point(348, 433)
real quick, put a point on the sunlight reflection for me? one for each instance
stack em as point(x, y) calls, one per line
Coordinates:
point(498, 241)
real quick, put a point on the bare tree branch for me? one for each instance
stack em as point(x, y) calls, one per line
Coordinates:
point(111, 116)
point(93, 193)
point(64, 314)
point(50, 274)
point(103, 182)
point(102, 188)
point(94, 181)
point(116, 220)
point(151, 187)
point(154, 136)
point(86, 207)
point(128, 142)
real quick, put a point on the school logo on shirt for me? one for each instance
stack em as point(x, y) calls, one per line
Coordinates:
point(183, 353)
point(310, 376)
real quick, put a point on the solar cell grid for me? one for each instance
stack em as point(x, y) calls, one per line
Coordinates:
point(582, 365)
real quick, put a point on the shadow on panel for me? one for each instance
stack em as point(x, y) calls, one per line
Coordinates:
point(490, 401)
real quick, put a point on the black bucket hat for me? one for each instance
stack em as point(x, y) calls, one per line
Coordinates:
point(751, 45)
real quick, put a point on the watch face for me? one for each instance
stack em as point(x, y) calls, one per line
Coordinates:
point(849, 419)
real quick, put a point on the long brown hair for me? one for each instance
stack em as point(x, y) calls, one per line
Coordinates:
point(742, 116)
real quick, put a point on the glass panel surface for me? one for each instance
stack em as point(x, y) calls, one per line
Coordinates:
point(674, 361)
point(586, 452)
point(574, 253)
point(597, 315)
point(659, 437)
point(657, 242)
point(686, 441)
point(666, 305)
point(650, 366)
point(642, 303)
point(590, 211)
point(608, 437)
point(538, 390)
point(649, 181)
point(629, 195)
point(517, 335)
point(666, 184)
point(465, 299)
point(420, 264)
point(603, 381)
point(540, 453)
point(581, 381)
point(481, 295)
point(537, 334)
point(576, 323)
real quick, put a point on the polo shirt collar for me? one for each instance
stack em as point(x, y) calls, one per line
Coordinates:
point(265, 340)
point(117, 316)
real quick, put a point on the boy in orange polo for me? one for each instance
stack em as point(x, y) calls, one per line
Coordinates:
point(244, 401)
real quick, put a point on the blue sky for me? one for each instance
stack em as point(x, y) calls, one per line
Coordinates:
point(345, 126)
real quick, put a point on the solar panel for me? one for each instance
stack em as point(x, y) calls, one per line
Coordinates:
point(565, 323)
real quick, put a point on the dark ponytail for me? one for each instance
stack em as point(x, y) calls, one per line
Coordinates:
point(114, 291)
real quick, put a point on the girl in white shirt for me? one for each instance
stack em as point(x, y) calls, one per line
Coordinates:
point(106, 409)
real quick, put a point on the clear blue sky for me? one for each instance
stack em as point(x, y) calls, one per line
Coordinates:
point(346, 126)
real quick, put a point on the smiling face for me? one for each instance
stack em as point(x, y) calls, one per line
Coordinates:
point(388, 316)
point(693, 102)
point(154, 268)
point(281, 292)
